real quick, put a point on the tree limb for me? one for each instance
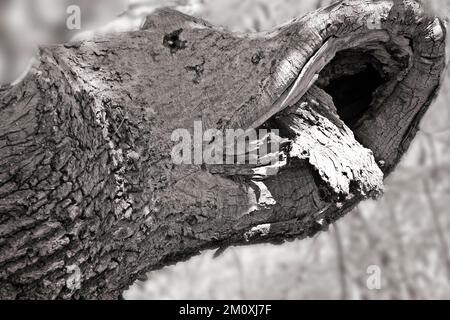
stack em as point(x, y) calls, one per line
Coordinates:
point(90, 199)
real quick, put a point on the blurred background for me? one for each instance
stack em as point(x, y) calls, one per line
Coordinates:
point(405, 236)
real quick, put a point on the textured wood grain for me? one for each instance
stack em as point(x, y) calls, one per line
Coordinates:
point(90, 199)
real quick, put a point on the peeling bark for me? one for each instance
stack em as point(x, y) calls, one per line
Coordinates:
point(90, 199)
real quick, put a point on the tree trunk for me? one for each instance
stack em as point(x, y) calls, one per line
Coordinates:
point(90, 199)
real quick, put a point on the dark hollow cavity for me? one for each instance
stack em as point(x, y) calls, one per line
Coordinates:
point(351, 79)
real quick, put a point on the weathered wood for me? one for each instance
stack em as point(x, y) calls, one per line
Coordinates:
point(90, 199)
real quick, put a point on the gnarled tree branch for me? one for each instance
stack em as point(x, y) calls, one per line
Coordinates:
point(90, 199)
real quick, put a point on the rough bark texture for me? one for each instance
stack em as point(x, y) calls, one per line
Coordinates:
point(90, 199)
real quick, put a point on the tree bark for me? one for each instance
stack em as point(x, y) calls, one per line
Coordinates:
point(90, 199)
